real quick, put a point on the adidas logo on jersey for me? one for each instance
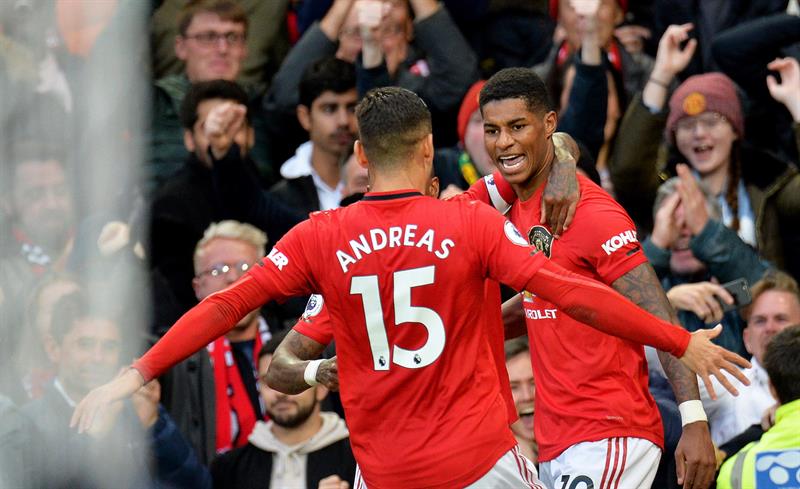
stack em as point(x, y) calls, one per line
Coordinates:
point(619, 241)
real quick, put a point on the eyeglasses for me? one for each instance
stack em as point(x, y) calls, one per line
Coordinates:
point(707, 121)
point(223, 269)
point(211, 38)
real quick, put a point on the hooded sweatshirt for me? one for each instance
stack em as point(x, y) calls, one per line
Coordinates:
point(289, 462)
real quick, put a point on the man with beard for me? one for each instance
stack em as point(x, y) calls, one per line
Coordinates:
point(299, 447)
point(326, 110)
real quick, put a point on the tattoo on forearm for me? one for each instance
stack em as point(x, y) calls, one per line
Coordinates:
point(641, 286)
point(289, 362)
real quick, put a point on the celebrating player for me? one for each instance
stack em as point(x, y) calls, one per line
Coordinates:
point(404, 276)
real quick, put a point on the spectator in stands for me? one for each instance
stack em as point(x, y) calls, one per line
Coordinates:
point(523, 389)
point(775, 307)
point(20, 457)
point(213, 395)
point(299, 447)
point(428, 56)
point(744, 53)
point(757, 193)
point(211, 43)
point(266, 44)
point(216, 128)
point(85, 346)
point(690, 249)
point(772, 461)
point(327, 112)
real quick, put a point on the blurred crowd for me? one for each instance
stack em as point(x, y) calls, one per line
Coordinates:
point(151, 151)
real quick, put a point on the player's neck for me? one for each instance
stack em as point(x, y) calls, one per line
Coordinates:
point(299, 434)
point(388, 182)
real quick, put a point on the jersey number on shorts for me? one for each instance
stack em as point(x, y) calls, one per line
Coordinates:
point(404, 312)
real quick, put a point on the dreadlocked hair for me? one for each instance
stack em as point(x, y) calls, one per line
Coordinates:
point(734, 176)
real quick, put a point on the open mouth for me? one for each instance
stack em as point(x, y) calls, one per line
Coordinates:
point(511, 163)
point(702, 150)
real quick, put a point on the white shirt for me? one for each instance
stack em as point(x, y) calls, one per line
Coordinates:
point(728, 415)
point(299, 165)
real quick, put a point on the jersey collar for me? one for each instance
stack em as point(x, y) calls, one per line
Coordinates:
point(391, 195)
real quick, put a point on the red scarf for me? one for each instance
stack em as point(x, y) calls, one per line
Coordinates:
point(235, 415)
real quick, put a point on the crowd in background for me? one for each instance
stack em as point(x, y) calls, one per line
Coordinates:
point(151, 152)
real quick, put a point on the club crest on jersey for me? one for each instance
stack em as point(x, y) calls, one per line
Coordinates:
point(527, 296)
point(313, 307)
point(541, 239)
point(513, 234)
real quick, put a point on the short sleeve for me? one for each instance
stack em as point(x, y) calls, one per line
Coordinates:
point(608, 240)
point(287, 270)
point(315, 322)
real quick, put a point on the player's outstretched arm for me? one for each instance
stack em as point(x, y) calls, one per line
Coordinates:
point(695, 460)
point(287, 370)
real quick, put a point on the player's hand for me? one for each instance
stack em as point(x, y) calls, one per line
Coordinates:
point(706, 359)
point(98, 403)
point(787, 91)
point(333, 482)
point(666, 227)
point(221, 126)
point(561, 193)
point(671, 59)
point(328, 374)
point(693, 200)
point(695, 461)
point(701, 298)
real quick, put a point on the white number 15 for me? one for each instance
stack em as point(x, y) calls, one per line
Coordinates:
point(404, 312)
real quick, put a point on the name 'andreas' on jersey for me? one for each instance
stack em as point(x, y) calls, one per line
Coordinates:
point(377, 239)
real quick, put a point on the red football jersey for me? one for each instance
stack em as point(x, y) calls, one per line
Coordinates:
point(589, 385)
point(404, 279)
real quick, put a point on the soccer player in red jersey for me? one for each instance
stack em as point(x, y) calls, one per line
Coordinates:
point(596, 421)
point(404, 277)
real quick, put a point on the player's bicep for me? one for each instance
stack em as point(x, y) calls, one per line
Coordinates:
point(610, 243)
point(298, 347)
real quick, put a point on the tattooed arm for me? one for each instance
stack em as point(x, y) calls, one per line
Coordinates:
point(289, 363)
point(695, 453)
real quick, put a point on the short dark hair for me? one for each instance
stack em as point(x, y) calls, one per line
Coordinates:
point(391, 120)
point(521, 83)
point(229, 10)
point(515, 346)
point(24, 151)
point(775, 280)
point(206, 90)
point(326, 74)
point(780, 361)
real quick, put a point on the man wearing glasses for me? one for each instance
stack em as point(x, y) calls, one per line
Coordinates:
point(211, 43)
point(213, 395)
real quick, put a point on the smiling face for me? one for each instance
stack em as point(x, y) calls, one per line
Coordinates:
point(706, 141)
point(523, 390)
point(518, 142)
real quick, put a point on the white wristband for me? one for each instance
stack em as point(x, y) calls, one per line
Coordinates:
point(310, 375)
point(691, 412)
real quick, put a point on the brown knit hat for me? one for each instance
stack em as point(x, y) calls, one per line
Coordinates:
point(710, 92)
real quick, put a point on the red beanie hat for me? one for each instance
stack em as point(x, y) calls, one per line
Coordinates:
point(468, 106)
point(710, 92)
point(623, 4)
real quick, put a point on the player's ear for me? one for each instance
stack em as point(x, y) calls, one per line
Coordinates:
point(427, 147)
point(550, 123)
point(361, 156)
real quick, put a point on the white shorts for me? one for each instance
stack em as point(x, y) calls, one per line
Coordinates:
point(512, 470)
point(611, 463)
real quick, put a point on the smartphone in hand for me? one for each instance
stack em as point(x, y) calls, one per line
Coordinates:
point(739, 289)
